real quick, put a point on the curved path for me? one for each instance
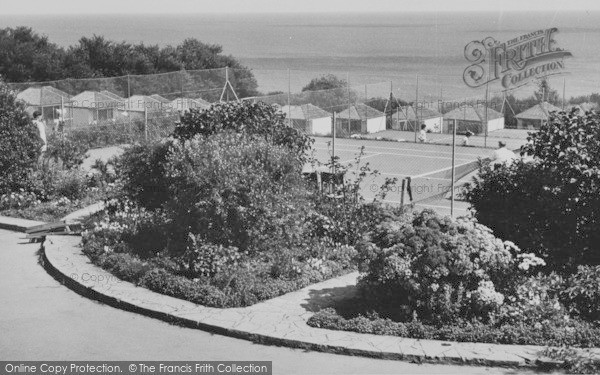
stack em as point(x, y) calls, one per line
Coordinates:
point(40, 319)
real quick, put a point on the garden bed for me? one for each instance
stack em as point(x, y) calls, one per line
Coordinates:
point(437, 278)
point(52, 210)
point(219, 214)
point(578, 334)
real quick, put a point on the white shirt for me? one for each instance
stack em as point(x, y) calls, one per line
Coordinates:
point(42, 129)
point(423, 135)
point(503, 155)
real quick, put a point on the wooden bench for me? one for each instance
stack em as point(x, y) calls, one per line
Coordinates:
point(39, 232)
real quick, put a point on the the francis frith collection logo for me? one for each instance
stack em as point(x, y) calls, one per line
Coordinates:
point(516, 62)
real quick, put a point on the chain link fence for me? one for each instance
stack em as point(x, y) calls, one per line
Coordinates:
point(141, 107)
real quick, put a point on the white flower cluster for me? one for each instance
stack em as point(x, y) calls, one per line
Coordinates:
point(486, 294)
point(529, 260)
point(112, 226)
point(63, 201)
point(509, 245)
point(317, 264)
point(20, 199)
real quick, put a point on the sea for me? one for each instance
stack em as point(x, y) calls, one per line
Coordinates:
point(410, 54)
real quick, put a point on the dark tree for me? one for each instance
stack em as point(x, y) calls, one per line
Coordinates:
point(27, 56)
point(19, 142)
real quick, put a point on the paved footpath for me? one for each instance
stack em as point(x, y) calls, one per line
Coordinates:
point(279, 321)
point(40, 319)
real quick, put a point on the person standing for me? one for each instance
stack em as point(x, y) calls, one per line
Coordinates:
point(503, 155)
point(423, 134)
point(37, 121)
point(465, 141)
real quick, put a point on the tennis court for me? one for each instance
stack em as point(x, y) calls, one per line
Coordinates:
point(427, 165)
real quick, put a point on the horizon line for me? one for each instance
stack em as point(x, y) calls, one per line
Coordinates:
point(303, 12)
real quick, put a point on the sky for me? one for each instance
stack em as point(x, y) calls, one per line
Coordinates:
point(284, 6)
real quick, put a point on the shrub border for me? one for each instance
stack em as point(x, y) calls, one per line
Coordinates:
point(479, 359)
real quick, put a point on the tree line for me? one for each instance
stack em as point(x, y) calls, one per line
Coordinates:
point(26, 56)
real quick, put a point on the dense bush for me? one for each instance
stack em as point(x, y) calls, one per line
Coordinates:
point(437, 268)
point(535, 301)
point(258, 120)
point(550, 205)
point(19, 141)
point(203, 259)
point(235, 191)
point(142, 170)
point(66, 150)
point(583, 292)
point(428, 277)
point(143, 166)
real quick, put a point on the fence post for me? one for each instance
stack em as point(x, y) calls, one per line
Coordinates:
point(563, 96)
point(487, 85)
point(288, 99)
point(129, 101)
point(145, 123)
point(453, 171)
point(348, 93)
point(333, 146)
point(415, 107)
point(61, 117)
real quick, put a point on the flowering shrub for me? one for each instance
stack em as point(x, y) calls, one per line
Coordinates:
point(529, 260)
point(70, 184)
point(438, 268)
point(485, 298)
point(20, 199)
point(583, 292)
point(535, 301)
point(550, 205)
point(213, 275)
point(119, 230)
point(206, 259)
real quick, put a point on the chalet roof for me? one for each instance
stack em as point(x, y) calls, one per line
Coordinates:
point(583, 107)
point(538, 112)
point(112, 95)
point(95, 99)
point(304, 112)
point(360, 111)
point(473, 113)
point(161, 99)
point(142, 102)
point(43, 96)
point(407, 113)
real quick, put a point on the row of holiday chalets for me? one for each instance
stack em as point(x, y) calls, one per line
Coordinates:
point(89, 108)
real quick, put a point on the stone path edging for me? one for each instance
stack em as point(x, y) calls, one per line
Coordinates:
point(17, 224)
point(279, 321)
point(21, 225)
